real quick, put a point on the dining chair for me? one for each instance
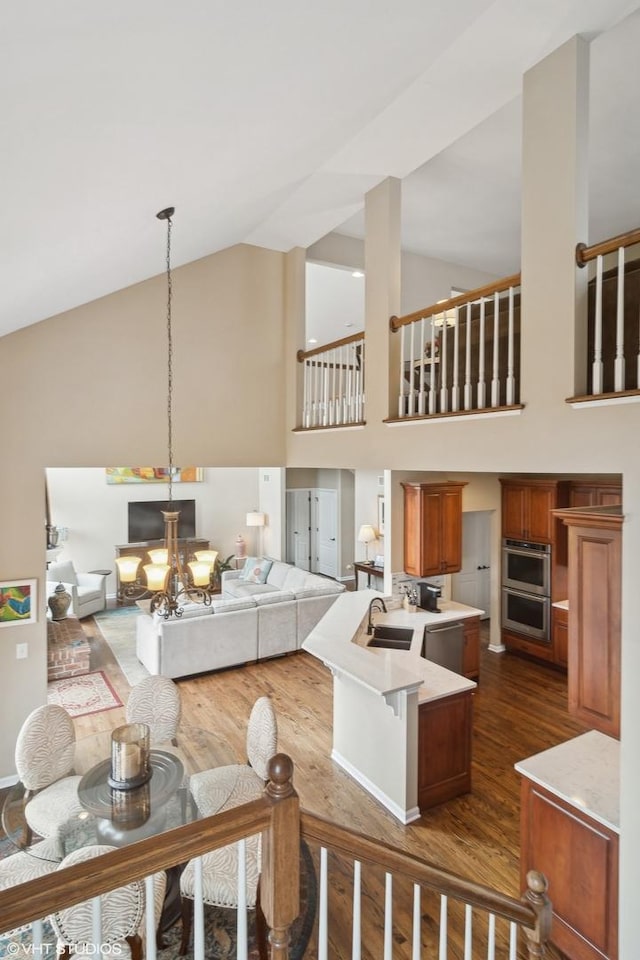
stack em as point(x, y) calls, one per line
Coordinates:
point(122, 912)
point(20, 867)
point(44, 758)
point(156, 702)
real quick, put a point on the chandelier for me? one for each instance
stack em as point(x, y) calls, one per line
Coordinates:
point(171, 582)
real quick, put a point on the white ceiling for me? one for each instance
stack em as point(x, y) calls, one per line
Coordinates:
point(267, 123)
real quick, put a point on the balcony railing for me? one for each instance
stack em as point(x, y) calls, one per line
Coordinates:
point(333, 391)
point(467, 919)
point(613, 331)
point(462, 355)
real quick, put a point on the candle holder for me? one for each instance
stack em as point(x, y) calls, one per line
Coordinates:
point(131, 808)
point(130, 756)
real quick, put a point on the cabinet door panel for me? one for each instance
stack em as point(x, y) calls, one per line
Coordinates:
point(513, 519)
point(432, 523)
point(541, 501)
point(451, 531)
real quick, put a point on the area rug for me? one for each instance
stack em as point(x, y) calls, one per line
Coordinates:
point(89, 693)
point(118, 627)
point(220, 925)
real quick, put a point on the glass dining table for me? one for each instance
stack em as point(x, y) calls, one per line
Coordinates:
point(106, 815)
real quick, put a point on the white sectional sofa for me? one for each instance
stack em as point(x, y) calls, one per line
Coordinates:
point(249, 622)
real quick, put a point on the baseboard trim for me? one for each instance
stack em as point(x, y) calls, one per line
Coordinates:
point(404, 816)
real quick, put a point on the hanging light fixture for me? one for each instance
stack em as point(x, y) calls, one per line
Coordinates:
point(166, 577)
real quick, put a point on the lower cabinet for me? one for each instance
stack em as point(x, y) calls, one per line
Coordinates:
point(444, 749)
point(471, 649)
point(579, 857)
point(560, 636)
point(533, 648)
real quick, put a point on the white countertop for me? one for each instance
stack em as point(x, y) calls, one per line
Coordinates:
point(335, 641)
point(584, 772)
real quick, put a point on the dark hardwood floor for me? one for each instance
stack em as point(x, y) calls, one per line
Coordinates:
point(520, 708)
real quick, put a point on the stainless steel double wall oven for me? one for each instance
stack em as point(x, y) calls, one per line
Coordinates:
point(526, 588)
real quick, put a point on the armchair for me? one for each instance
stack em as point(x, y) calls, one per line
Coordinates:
point(88, 590)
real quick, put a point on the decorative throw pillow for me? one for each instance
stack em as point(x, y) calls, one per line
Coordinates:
point(256, 570)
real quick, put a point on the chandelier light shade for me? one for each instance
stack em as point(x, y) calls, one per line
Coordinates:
point(367, 535)
point(171, 582)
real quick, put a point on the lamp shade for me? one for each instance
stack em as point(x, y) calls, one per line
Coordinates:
point(128, 568)
point(255, 519)
point(200, 572)
point(366, 534)
point(156, 574)
point(207, 556)
point(160, 555)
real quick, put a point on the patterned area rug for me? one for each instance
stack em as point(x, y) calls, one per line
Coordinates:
point(118, 627)
point(89, 693)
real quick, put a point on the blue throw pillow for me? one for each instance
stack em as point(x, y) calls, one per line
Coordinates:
point(256, 570)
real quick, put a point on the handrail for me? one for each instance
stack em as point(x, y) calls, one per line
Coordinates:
point(584, 253)
point(487, 290)
point(302, 355)
point(377, 852)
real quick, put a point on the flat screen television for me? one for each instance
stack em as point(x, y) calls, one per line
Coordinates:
point(147, 523)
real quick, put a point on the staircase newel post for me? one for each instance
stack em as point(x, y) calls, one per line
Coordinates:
point(280, 877)
point(536, 897)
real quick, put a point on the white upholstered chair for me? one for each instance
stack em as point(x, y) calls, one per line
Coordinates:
point(122, 912)
point(21, 867)
point(156, 702)
point(220, 789)
point(44, 758)
point(88, 590)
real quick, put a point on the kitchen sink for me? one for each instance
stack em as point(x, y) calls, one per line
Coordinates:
point(391, 638)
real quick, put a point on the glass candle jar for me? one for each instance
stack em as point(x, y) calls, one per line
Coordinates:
point(130, 765)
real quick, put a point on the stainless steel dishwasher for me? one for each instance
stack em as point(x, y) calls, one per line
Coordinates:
point(444, 645)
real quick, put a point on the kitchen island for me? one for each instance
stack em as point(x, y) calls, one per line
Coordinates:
point(401, 724)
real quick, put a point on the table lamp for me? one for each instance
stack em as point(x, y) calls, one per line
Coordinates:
point(256, 519)
point(366, 535)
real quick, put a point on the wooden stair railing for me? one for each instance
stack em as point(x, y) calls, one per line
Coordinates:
point(532, 913)
point(333, 385)
point(462, 355)
point(613, 365)
point(278, 817)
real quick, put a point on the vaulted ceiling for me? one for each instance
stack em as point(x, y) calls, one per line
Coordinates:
point(267, 124)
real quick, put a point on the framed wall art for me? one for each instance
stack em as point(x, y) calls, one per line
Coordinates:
point(18, 602)
point(153, 474)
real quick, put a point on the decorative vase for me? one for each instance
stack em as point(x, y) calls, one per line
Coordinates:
point(59, 602)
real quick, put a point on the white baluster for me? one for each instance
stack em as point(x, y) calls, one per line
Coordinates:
point(412, 353)
point(442, 943)
point(307, 395)
point(422, 398)
point(335, 359)
point(491, 941)
point(36, 935)
point(455, 388)
point(342, 384)
point(416, 942)
point(241, 915)
point(619, 363)
point(312, 375)
point(198, 910)
point(468, 931)
point(596, 366)
point(96, 921)
point(482, 387)
point(401, 409)
point(511, 380)
point(513, 941)
point(360, 381)
point(323, 939)
point(325, 390)
point(495, 382)
point(468, 392)
point(444, 392)
point(388, 917)
point(432, 370)
point(150, 919)
point(356, 936)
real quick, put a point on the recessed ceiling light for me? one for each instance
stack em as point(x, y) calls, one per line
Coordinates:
point(312, 340)
point(357, 273)
point(349, 323)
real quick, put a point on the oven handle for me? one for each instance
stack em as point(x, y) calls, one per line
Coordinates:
point(543, 597)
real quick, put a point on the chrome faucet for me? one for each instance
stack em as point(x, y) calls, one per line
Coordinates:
point(370, 622)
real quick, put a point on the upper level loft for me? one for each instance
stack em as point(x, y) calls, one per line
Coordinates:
point(463, 356)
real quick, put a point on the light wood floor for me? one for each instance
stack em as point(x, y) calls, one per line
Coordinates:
point(520, 708)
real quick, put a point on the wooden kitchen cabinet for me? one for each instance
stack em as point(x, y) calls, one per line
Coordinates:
point(579, 857)
point(444, 748)
point(594, 494)
point(560, 636)
point(595, 596)
point(527, 505)
point(432, 528)
point(471, 649)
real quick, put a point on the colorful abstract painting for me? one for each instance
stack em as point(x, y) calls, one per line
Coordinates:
point(17, 602)
point(153, 474)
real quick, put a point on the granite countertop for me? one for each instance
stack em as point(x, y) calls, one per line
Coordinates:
point(339, 640)
point(584, 772)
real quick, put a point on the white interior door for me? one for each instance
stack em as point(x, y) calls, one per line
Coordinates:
point(299, 528)
point(473, 584)
point(326, 532)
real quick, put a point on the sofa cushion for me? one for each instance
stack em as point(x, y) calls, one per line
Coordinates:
point(238, 588)
point(330, 589)
point(189, 610)
point(274, 596)
point(228, 606)
point(62, 572)
point(278, 573)
point(256, 570)
point(295, 579)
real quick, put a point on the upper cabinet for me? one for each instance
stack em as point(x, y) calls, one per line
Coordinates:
point(527, 506)
point(594, 494)
point(432, 528)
